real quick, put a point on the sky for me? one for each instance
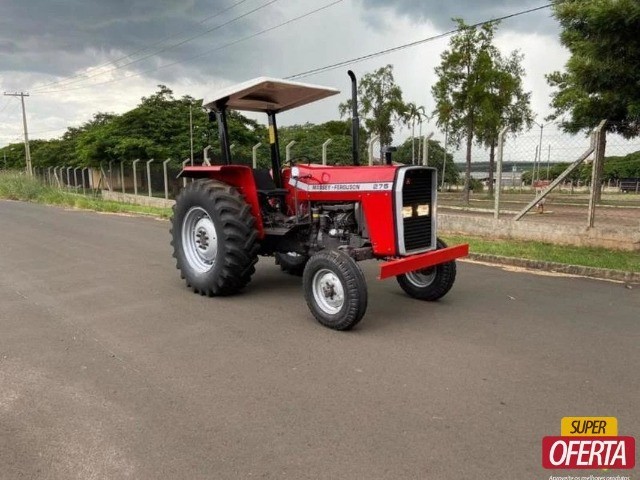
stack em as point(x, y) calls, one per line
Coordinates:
point(79, 57)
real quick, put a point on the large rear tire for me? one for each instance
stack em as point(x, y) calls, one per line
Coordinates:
point(431, 283)
point(335, 289)
point(214, 238)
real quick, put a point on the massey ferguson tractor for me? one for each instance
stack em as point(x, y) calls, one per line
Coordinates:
point(317, 221)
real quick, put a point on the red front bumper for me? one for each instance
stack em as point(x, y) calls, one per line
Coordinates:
point(423, 260)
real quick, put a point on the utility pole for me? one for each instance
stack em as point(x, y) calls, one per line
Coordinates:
point(27, 152)
point(191, 132)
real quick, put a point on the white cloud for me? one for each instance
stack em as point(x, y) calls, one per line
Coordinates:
point(344, 31)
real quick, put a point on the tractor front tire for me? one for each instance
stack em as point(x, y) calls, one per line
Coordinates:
point(335, 289)
point(431, 283)
point(214, 238)
point(292, 263)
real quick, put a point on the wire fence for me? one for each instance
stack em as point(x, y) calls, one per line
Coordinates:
point(530, 162)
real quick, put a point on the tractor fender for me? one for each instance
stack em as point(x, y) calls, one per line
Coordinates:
point(238, 176)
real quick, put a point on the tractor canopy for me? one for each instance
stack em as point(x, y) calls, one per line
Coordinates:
point(268, 95)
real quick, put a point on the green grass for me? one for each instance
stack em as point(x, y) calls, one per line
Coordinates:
point(16, 186)
point(584, 256)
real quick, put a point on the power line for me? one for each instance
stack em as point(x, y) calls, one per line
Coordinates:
point(169, 47)
point(140, 50)
point(201, 54)
point(408, 45)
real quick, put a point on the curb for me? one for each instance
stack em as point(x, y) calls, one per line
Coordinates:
point(592, 272)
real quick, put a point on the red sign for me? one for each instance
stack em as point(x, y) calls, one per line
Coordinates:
point(588, 452)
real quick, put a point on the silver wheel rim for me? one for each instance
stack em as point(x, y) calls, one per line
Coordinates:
point(422, 278)
point(199, 240)
point(328, 291)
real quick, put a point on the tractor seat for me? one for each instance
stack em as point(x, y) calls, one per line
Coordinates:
point(265, 184)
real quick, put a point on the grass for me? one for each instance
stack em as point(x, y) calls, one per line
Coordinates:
point(584, 256)
point(17, 186)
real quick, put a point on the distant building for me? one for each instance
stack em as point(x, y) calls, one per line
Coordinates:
point(509, 179)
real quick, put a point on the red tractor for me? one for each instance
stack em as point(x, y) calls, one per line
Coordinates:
point(318, 221)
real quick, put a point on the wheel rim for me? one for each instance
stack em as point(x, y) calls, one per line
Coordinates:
point(199, 240)
point(328, 291)
point(422, 278)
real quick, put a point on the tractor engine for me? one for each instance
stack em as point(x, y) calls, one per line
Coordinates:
point(338, 225)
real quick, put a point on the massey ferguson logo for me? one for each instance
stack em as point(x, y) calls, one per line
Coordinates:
point(589, 443)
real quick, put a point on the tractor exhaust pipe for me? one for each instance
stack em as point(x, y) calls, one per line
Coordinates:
point(355, 120)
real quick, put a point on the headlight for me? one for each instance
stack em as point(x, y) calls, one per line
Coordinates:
point(411, 211)
point(423, 210)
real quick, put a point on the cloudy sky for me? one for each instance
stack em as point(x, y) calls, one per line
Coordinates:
point(77, 57)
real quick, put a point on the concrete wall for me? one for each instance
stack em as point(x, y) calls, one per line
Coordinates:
point(608, 237)
point(137, 199)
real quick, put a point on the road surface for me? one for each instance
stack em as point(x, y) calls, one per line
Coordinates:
point(111, 368)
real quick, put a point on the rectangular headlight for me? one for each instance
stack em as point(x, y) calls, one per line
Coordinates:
point(407, 212)
point(423, 210)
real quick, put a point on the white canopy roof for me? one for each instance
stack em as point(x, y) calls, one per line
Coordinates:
point(270, 94)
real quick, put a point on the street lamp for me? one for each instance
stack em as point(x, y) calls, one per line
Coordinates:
point(538, 159)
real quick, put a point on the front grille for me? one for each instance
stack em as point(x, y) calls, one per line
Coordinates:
point(417, 190)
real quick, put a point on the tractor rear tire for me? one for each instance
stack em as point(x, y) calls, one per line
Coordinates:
point(431, 283)
point(292, 263)
point(335, 289)
point(214, 238)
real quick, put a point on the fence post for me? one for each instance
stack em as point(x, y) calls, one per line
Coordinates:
point(184, 179)
point(287, 151)
point(371, 142)
point(254, 155)
point(600, 139)
point(49, 176)
point(69, 176)
point(122, 176)
point(205, 155)
point(324, 150)
point(82, 172)
point(166, 178)
point(135, 177)
point(425, 150)
point(149, 175)
point(111, 175)
point(496, 210)
point(55, 174)
point(75, 178)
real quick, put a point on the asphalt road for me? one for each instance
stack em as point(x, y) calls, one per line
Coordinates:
point(111, 368)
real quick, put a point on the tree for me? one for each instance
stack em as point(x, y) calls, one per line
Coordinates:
point(601, 78)
point(436, 157)
point(380, 102)
point(413, 114)
point(463, 90)
point(505, 104)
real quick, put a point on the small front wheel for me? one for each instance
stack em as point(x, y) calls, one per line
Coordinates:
point(430, 283)
point(335, 289)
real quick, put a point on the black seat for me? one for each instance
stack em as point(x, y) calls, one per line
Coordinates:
point(265, 184)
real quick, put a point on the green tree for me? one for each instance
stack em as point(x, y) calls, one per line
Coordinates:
point(601, 78)
point(309, 139)
point(413, 114)
point(505, 104)
point(465, 76)
point(404, 154)
point(381, 105)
